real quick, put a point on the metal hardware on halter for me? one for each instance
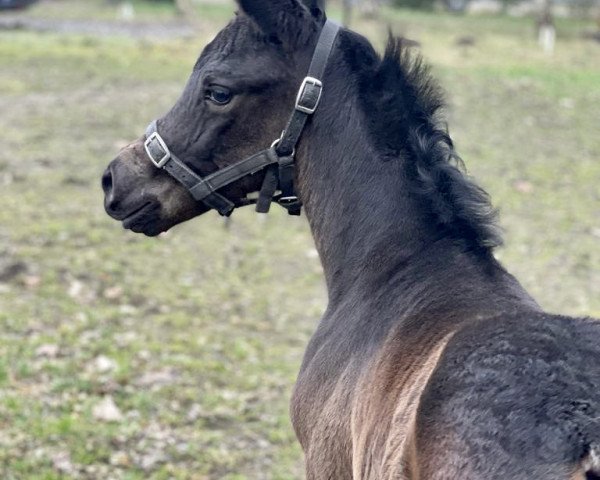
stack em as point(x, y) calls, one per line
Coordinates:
point(287, 200)
point(150, 143)
point(309, 95)
point(276, 143)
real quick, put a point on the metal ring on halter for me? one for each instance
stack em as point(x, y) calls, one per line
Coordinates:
point(276, 142)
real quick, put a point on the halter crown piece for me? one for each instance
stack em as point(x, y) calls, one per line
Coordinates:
point(278, 160)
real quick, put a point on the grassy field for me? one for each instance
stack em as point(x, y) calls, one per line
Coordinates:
point(123, 357)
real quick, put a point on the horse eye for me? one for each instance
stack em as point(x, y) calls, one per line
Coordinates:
point(218, 95)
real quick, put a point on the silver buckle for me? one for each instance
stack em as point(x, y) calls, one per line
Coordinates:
point(287, 200)
point(166, 157)
point(309, 82)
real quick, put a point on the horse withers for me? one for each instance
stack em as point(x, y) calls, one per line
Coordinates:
point(431, 361)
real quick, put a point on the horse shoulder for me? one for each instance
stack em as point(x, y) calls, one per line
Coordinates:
point(386, 403)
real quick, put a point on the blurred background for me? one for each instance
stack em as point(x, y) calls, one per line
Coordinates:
point(123, 357)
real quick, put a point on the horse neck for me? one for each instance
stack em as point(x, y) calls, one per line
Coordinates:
point(358, 205)
point(368, 227)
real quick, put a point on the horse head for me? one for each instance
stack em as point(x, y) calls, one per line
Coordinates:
point(234, 104)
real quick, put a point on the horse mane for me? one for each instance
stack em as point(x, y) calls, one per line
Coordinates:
point(403, 106)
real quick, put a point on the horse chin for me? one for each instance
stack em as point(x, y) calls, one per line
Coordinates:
point(149, 231)
point(158, 218)
point(147, 220)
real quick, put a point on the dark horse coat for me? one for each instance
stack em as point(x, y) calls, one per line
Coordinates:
point(431, 361)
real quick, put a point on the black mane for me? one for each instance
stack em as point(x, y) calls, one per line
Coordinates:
point(403, 105)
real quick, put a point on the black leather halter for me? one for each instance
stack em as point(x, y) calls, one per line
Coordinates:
point(278, 160)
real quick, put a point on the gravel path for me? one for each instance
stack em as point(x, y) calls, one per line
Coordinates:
point(95, 27)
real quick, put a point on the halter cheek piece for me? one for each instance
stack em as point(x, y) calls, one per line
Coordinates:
point(278, 160)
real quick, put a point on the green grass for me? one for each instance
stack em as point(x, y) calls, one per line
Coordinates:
point(205, 327)
point(144, 10)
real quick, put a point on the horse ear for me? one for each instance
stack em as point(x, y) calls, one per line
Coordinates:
point(274, 16)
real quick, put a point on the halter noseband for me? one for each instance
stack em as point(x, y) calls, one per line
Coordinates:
point(278, 160)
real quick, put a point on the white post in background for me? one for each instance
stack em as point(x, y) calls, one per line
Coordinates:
point(126, 11)
point(545, 29)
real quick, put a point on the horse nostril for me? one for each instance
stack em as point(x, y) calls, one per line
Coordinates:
point(107, 181)
point(111, 203)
